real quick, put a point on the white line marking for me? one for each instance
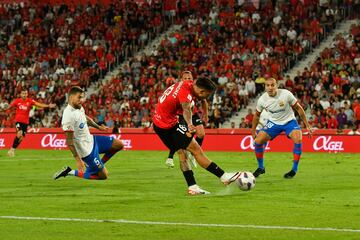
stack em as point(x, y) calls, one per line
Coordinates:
point(181, 224)
point(34, 159)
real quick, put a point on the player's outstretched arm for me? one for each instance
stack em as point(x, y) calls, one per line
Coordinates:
point(43, 105)
point(187, 114)
point(255, 122)
point(302, 114)
point(93, 124)
point(70, 142)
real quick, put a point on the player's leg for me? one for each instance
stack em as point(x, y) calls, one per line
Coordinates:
point(95, 168)
point(259, 143)
point(200, 134)
point(20, 134)
point(177, 141)
point(92, 172)
point(209, 165)
point(294, 132)
point(109, 146)
point(180, 138)
point(266, 134)
point(193, 188)
point(200, 131)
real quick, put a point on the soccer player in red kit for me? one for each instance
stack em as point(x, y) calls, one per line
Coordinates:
point(23, 106)
point(177, 134)
point(197, 121)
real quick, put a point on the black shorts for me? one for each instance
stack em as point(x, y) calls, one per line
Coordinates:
point(196, 120)
point(21, 126)
point(176, 137)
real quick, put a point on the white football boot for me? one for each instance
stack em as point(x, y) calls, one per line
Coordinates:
point(228, 178)
point(11, 152)
point(169, 162)
point(196, 190)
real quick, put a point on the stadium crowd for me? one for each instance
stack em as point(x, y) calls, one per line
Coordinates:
point(48, 48)
point(254, 43)
point(237, 46)
point(329, 90)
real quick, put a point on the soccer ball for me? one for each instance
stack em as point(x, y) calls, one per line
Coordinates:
point(246, 181)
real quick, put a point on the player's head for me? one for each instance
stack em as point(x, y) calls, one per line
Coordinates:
point(186, 75)
point(76, 97)
point(203, 87)
point(271, 86)
point(24, 94)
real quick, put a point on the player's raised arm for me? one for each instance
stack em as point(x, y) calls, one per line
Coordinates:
point(187, 114)
point(93, 124)
point(302, 114)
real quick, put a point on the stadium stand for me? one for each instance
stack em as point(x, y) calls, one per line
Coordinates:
point(46, 48)
point(236, 46)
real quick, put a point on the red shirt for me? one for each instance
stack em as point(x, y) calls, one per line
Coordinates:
point(169, 104)
point(23, 108)
point(249, 118)
point(332, 123)
point(357, 112)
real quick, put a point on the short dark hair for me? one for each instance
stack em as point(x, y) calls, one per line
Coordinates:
point(74, 90)
point(205, 83)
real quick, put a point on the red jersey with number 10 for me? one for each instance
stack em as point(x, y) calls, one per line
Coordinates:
point(169, 104)
point(23, 108)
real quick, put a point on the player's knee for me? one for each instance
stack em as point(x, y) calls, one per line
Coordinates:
point(194, 147)
point(260, 140)
point(182, 156)
point(103, 175)
point(118, 145)
point(296, 137)
point(200, 134)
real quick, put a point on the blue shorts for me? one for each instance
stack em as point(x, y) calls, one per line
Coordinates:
point(273, 129)
point(93, 162)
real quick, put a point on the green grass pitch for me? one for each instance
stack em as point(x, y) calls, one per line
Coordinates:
point(324, 194)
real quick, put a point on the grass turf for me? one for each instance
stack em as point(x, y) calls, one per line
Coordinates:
point(324, 194)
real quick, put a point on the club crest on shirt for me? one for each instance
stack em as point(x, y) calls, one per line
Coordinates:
point(82, 125)
point(281, 103)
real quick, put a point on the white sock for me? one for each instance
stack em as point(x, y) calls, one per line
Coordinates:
point(72, 173)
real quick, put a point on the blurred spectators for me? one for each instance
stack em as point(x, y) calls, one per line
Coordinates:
point(328, 89)
point(49, 48)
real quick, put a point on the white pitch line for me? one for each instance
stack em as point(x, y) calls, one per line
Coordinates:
point(33, 159)
point(181, 224)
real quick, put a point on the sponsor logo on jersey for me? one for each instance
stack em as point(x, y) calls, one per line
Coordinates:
point(23, 107)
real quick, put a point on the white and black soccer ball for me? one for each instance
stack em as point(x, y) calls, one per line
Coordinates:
point(246, 181)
